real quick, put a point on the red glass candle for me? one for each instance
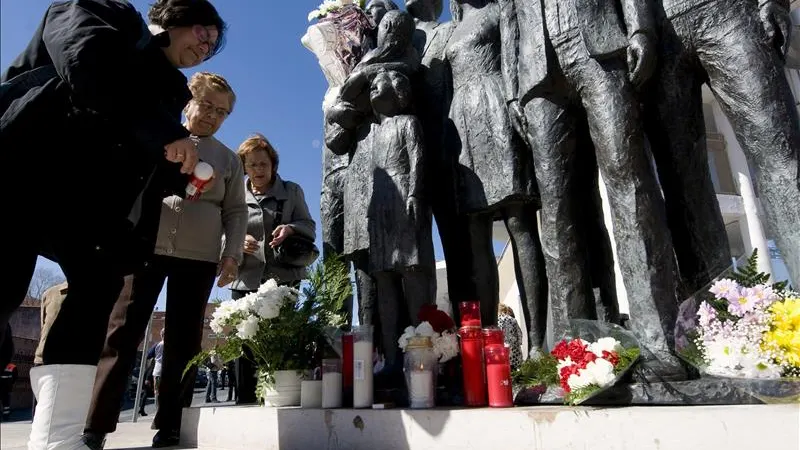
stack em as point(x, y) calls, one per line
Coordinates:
point(347, 370)
point(498, 376)
point(472, 362)
point(493, 336)
point(470, 314)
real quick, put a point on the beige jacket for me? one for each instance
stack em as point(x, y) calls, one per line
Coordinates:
point(51, 305)
point(194, 229)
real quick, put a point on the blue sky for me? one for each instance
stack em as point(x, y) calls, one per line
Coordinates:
point(278, 82)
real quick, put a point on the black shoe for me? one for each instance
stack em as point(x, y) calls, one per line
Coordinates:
point(142, 413)
point(166, 438)
point(95, 441)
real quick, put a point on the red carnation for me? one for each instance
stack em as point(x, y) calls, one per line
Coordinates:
point(587, 358)
point(565, 373)
point(576, 349)
point(438, 319)
point(612, 357)
point(560, 351)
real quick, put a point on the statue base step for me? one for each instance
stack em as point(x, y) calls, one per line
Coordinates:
point(744, 427)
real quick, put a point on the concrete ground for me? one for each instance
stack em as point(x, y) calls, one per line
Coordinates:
point(132, 436)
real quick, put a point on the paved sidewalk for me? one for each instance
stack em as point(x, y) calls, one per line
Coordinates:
point(132, 436)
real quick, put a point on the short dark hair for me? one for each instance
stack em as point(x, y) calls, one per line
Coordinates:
point(187, 13)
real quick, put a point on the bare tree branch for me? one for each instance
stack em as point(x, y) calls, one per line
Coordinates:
point(43, 279)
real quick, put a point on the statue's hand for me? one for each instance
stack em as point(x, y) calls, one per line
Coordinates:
point(778, 26)
point(641, 59)
point(518, 119)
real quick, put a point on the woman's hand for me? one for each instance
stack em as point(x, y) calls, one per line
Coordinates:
point(251, 245)
point(227, 271)
point(280, 234)
point(182, 151)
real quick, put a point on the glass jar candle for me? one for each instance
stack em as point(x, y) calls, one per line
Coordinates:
point(472, 366)
point(420, 365)
point(347, 370)
point(470, 314)
point(362, 367)
point(331, 383)
point(498, 376)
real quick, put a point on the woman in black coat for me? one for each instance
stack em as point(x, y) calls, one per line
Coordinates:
point(92, 133)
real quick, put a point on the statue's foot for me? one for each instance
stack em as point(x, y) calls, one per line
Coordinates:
point(391, 376)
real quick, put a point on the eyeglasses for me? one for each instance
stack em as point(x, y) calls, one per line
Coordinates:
point(259, 166)
point(209, 107)
point(202, 35)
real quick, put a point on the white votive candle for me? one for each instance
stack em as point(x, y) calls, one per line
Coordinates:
point(362, 374)
point(311, 394)
point(332, 390)
point(421, 392)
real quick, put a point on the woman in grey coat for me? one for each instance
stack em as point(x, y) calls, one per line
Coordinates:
point(277, 209)
point(267, 194)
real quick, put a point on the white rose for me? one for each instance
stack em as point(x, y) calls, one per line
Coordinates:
point(446, 346)
point(408, 333)
point(425, 329)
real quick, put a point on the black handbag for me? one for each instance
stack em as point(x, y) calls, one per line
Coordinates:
point(296, 250)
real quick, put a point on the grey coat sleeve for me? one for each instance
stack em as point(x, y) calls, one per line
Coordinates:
point(301, 220)
point(234, 212)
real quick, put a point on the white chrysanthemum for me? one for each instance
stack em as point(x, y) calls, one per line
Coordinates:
point(755, 365)
point(723, 354)
point(601, 372)
point(581, 380)
point(564, 363)
point(408, 333)
point(247, 328)
point(607, 344)
point(446, 346)
point(425, 329)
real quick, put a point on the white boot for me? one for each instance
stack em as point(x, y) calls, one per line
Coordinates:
point(63, 394)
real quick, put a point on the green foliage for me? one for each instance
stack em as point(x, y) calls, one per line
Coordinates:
point(749, 276)
point(539, 371)
point(576, 396)
point(691, 353)
point(627, 357)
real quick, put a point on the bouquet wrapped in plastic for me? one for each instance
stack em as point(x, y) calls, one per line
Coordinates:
point(595, 357)
point(743, 329)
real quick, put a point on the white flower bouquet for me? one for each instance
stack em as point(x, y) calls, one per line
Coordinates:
point(596, 358)
point(282, 328)
point(437, 325)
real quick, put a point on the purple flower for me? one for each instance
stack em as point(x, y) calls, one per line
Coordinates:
point(725, 288)
point(746, 302)
point(706, 314)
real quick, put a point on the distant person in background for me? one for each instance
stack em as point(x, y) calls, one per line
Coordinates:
point(190, 254)
point(94, 103)
point(231, 371)
point(212, 371)
point(156, 353)
point(511, 333)
point(277, 209)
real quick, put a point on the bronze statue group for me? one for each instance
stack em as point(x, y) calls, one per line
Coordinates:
point(513, 108)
